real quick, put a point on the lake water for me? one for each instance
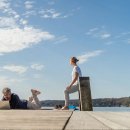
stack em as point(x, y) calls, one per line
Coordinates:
point(110, 109)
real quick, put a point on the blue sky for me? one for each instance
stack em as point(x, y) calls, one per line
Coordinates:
point(38, 37)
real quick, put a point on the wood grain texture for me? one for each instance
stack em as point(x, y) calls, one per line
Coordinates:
point(99, 120)
point(83, 121)
point(60, 120)
point(33, 119)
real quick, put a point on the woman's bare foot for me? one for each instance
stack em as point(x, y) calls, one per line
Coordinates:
point(65, 108)
point(35, 92)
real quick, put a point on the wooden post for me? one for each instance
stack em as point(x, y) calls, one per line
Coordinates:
point(85, 94)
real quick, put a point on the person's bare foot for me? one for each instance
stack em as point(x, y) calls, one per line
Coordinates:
point(65, 108)
point(35, 92)
point(30, 99)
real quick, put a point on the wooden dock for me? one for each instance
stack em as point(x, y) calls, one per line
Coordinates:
point(63, 120)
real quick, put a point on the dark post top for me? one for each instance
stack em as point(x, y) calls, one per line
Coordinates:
point(84, 78)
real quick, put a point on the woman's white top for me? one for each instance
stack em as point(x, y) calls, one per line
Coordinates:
point(78, 70)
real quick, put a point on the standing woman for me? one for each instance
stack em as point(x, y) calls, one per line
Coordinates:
point(73, 86)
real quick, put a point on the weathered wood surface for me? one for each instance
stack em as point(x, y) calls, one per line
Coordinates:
point(59, 120)
point(33, 119)
point(83, 121)
point(99, 120)
point(85, 94)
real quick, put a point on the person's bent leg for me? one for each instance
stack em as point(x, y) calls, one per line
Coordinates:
point(36, 101)
point(73, 89)
point(66, 93)
point(36, 104)
point(32, 105)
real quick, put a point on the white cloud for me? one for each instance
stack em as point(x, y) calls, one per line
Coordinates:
point(15, 68)
point(7, 22)
point(100, 33)
point(15, 33)
point(56, 15)
point(105, 35)
point(29, 4)
point(4, 4)
point(16, 16)
point(16, 39)
point(88, 55)
point(5, 81)
point(30, 13)
point(61, 39)
point(92, 30)
point(37, 66)
point(5, 7)
point(51, 13)
point(20, 69)
point(24, 22)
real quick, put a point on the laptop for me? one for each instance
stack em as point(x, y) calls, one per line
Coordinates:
point(4, 105)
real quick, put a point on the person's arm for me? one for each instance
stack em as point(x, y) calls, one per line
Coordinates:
point(74, 80)
point(16, 102)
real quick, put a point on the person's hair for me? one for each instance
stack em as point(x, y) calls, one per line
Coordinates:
point(75, 60)
point(6, 90)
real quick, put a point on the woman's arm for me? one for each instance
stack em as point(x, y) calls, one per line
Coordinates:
point(74, 80)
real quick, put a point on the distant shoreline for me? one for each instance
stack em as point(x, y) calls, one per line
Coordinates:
point(99, 102)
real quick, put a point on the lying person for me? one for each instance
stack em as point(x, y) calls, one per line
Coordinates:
point(16, 103)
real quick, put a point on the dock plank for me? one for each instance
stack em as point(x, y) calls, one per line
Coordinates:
point(82, 121)
point(33, 119)
point(58, 120)
point(108, 119)
point(119, 119)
